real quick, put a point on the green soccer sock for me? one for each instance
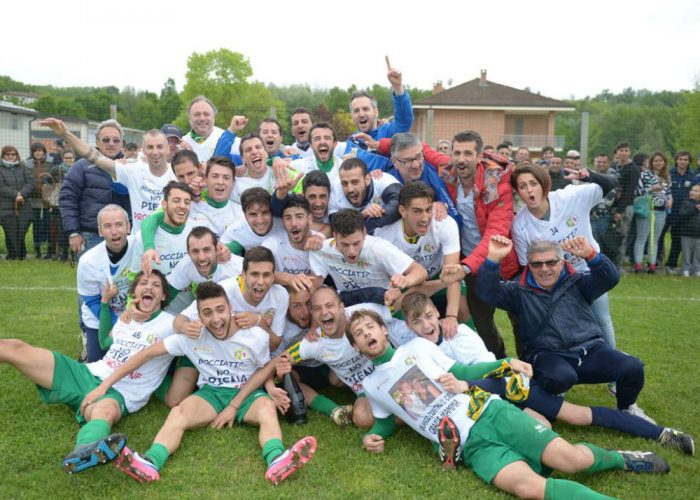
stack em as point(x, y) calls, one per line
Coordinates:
point(557, 489)
point(92, 431)
point(323, 405)
point(604, 459)
point(272, 449)
point(157, 454)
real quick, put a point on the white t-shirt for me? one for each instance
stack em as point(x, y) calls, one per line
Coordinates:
point(185, 272)
point(307, 163)
point(469, 233)
point(429, 251)
point(569, 216)
point(171, 248)
point(378, 261)
point(223, 363)
point(242, 233)
point(350, 366)
point(267, 182)
point(94, 269)
point(287, 258)
point(339, 201)
point(145, 189)
point(218, 219)
point(466, 347)
point(129, 339)
point(275, 304)
point(407, 386)
point(205, 150)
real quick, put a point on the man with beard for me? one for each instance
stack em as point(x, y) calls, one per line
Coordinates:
point(257, 225)
point(362, 266)
point(63, 380)
point(330, 346)
point(144, 181)
point(481, 189)
point(301, 122)
point(502, 445)
point(226, 356)
point(255, 299)
point(431, 243)
point(376, 198)
point(103, 265)
point(291, 249)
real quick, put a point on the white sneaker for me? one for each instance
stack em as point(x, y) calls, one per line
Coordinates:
point(697, 274)
point(686, 274)
point(636, 411)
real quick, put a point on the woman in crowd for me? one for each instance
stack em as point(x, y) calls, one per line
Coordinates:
point(58, 240)
point(15, 210)
point(655, 182)
point(38, 166)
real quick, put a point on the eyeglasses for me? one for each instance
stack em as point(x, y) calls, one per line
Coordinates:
point(113, 140)
point(10, 154)
point(539, 264)
point(410, 161)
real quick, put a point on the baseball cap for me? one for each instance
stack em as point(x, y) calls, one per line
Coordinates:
point(171, 130)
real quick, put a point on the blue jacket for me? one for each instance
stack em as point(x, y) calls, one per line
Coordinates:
point(223, 147)
point(85, 191)
point(559, 320)
point(680, 187)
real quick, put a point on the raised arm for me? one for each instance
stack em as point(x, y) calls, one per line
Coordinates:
point(81, 147)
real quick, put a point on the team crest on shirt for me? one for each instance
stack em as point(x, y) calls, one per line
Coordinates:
point(571, 221)
point(269, 312)
point(409, 361)
point(428, 248)
point(361, 263)
point(240, 355)
point(151, 338)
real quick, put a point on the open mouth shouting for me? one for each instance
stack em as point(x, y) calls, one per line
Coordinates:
point(328, 324)
point(324, 152)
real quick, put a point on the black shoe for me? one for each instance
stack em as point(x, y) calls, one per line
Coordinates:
point(450, 447)
point(89, 455)
point(48, 256)
point(677, 439)
point(644, 461)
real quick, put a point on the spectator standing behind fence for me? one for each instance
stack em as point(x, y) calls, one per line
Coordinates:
point(655, 183)
point(556, 176)
point(629, 177)
point(681, 182)
point(600, 215)
point(39, 166)
point(15, 209)
point(689, 217)
point(58, 239)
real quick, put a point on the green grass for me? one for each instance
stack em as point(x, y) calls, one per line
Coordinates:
point(656, 319)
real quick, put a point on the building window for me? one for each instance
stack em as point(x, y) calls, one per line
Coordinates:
point(519, 126)
point(14, 122)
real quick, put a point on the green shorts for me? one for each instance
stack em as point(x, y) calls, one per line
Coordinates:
point(503, 435)
point(72, 381)
point(220, 397)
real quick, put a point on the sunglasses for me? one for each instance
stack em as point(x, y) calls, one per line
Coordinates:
point(539, 264)
point(113, 140)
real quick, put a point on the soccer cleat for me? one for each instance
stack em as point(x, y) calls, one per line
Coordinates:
point(92, 454)
point(677, 439)
point(291, 460)
point(449, 444)
point(342, 415)
point(644, 461)
point(136, 466)
point(636, 411)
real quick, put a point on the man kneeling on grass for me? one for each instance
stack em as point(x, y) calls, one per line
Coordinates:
point(466, 347)
point(226, 357)
point(64, 380)
point(505, 447)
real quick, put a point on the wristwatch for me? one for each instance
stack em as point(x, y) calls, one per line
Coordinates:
point(73, 234)
point(467, 270)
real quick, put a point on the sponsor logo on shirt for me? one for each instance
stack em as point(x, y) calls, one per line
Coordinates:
point(240, 354)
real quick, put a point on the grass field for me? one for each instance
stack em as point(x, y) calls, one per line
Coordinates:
point(656, 318)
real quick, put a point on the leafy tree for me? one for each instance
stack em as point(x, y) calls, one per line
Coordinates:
point(169, 102)
point(686, 129)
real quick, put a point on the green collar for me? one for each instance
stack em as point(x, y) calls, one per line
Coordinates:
point(154, 315)
point(213, 270)
point(388, 354)
point(325, 167)
point(197, 138)
point(172, 229)
point(215, 204)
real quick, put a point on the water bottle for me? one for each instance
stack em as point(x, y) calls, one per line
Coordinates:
point(296, 414)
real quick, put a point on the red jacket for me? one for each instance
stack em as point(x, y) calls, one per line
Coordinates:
point(495, 217)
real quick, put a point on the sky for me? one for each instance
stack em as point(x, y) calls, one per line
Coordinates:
point(561, 49)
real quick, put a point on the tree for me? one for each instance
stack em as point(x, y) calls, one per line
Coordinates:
point(686, 128)
point(222, 76)
point(169, 102)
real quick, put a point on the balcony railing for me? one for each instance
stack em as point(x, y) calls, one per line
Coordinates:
point(535, 142)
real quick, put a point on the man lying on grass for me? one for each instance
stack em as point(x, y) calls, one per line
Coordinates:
point(226, 357)
point(63, 380)
point(504, 446)
point(466, 347)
